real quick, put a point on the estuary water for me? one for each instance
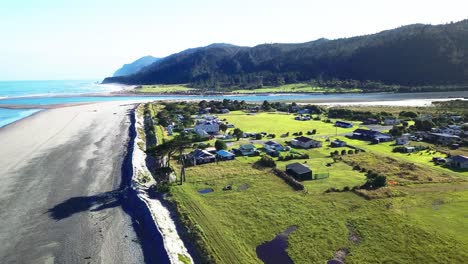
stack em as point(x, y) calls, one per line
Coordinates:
point(37, 94)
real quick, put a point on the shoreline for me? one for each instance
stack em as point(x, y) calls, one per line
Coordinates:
point(74, 162)
point(160, 213)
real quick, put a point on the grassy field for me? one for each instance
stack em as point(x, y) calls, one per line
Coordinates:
point(280, 123)
point(164, 89)
point(422, 158)
point(295, 88)
point(427, 223)
point(393, 230)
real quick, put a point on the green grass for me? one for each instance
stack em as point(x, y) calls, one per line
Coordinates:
point(184, 259)
point(233, 223)
point(162, 89)
point(295, 88)
point(280, 123)
point(422, 158)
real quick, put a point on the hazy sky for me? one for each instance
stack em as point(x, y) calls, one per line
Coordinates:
point(90, 39)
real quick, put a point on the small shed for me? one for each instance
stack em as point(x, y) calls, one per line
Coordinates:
point(299, 171)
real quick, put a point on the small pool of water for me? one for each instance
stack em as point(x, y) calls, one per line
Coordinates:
point(205, 191)
point(274, 251)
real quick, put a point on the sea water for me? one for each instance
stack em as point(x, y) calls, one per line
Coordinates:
point(8, 116)
point(15, 89)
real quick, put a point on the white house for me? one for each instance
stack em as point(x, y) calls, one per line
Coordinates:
point(305, 142)
point(211, 127)
point(390, 121)
point(202, 133)
point(403, 140)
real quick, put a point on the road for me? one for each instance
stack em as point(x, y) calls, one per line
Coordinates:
point(64, 194)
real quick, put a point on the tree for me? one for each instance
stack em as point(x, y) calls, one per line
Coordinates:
point(396, 131)
point(219, 144)
point(223, 127)
point(424, 125)
point(167, 149)
point(266, 106)
point(238, 133)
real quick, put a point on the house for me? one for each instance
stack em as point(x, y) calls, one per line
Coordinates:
point(169, 130)
point(225, 155)
point(200, 156)
point(302, 118)
point(371, 135)
point(225, 111)
point(202, 133)
point(439, 160)
point(338, 143)
point(390, 121)
point(343, 124)
point(273, 146)
point(303, 111)
point(210, 126)
point(370, 121)
point(247, 149)
point(458, 162)
point(305, 142)
point(299, 171)
point(408, 149)
point(403, 140)
point(441, 138)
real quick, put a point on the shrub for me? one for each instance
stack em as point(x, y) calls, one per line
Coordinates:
point(219, 144)
point(350, 152)
point(258, 136)
point(266, 161)
point(343, 152)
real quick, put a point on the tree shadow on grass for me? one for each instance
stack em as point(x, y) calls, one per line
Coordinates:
point(92, 203)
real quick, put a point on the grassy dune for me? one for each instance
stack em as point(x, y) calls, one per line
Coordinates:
point(295, 88)
point(162, 89)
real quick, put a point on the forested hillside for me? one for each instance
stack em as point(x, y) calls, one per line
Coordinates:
point(410, 56)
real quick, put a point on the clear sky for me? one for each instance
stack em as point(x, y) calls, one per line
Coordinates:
point(90, 39)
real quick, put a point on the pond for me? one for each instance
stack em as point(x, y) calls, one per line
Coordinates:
point(205, 191)
point(274, 251)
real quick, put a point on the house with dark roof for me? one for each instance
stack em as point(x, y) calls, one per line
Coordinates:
point(200, 156)
point(370, 121)
point(337, 143)
point(442, 138)
point(371, 135)
point(273, 146)
point(305, 142)
point(458, 162)
point(343, 124)
point(298, 171)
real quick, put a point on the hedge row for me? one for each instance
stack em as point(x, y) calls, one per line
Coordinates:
point(289, 180)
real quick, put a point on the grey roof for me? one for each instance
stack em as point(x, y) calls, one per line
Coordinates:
point(444, 135)
point(298, 168)
point(459, 158)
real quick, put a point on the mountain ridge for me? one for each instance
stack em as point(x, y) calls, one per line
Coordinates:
point(415, 54)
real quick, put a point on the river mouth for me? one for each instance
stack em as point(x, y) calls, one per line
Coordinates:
point(274, 251)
